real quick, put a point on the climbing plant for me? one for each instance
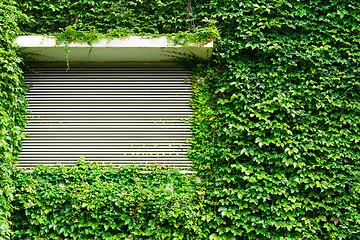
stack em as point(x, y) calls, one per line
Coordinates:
point(12, 107)
point(275, 126)
point(89, 201)
point(135, 16)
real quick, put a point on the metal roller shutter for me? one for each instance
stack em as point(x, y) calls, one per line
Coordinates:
point(108, 115)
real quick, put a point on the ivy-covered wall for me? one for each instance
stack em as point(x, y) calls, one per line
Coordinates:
point(88, 201)
point(12, 107)
point(278, 140)
point(134, 16)
point(276, 127)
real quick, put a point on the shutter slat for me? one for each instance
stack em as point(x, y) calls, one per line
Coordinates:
point(116, 116)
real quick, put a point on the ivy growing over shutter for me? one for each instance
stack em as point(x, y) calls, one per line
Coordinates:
point(276, 124)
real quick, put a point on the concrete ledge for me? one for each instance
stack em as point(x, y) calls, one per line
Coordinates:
point(133, 48)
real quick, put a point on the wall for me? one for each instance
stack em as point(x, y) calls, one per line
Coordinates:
point(276, 139)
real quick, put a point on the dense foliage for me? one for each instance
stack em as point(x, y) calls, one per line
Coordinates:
point(88, 201)
point(276, 126)
point(12, 106)
point(124, 16)
point(278, 138)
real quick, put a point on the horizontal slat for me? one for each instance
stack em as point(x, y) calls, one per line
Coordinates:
point(113, 162)
point(129, 94)
point(108, 99)
point(114, 139)
point(100, 142)
point(102, 128)
point(108, 135)
point(111, 115)
point(38, 143)
point(130, 158)
point(108, 77)
point(177, 81)
point(175, 165)
point(112, 108)
point(135, 115)
point(108, 124)
point(149, 116)
point(96, 104)
point(139, 143)
point(106, 72)
point(101, 158)
point(108, 90)
point(108, 103)
point(122, 147)
point(185, 168)
point(81, 121)
point(117, 161)
point(107, 151)
point(134, 112)
point(104, 88)
point(94, 138)
point(107, 84)
point(51, 70)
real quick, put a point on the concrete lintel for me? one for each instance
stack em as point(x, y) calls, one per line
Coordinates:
point(132, 48)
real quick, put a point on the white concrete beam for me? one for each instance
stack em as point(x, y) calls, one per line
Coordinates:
point(133, 48)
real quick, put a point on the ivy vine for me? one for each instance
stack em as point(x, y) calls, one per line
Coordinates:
point(275, 126)
point(12, 107)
